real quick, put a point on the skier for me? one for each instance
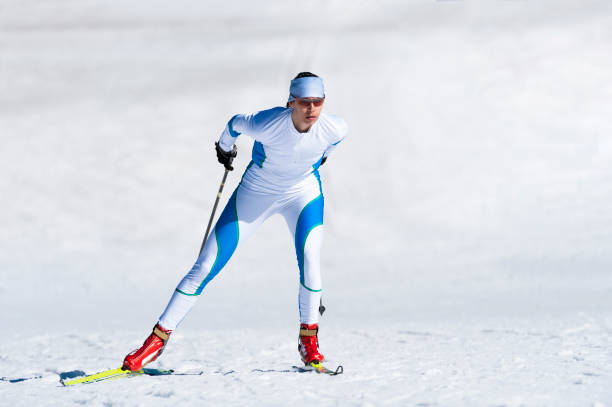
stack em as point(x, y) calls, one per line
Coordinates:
point(290, 144)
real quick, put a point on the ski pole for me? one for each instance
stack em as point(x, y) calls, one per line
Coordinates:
point(212, 215)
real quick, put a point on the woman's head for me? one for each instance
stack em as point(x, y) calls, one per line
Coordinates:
point(306, 97)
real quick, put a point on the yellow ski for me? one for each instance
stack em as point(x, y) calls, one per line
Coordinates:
point(115, 374)
point(108, 374)
point(319, 368)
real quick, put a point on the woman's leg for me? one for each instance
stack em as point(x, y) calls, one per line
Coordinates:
point(304, 216)
point(244, 212)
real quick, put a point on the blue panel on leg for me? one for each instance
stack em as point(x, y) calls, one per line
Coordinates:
point(310, 217)
point(226, 234)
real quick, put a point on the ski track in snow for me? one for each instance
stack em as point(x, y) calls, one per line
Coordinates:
point(468, 226)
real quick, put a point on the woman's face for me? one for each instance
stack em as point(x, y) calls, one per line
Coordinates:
point(306, 111)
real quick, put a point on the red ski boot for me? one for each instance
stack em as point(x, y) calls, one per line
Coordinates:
point(308, 344)
point(149, 351)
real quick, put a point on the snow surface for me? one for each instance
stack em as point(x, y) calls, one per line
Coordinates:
point(468, 254)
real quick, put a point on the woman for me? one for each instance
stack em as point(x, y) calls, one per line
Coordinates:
point(290, 144)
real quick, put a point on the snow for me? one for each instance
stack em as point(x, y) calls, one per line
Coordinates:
point(468, 231)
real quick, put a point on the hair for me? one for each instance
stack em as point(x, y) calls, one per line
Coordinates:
point(303, 75)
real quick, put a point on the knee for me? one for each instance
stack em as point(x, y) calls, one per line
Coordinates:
point(313, 243)
point(195, 275)
point(312, 258)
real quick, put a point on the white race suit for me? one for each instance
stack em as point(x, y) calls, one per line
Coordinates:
point(282, 178)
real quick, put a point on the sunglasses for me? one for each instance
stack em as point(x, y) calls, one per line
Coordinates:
point(305, 102)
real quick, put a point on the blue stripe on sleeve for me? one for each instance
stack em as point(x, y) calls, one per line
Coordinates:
point(232, 132)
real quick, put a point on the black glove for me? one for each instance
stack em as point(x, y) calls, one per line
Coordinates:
point(323, 161)
point(226, 157)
